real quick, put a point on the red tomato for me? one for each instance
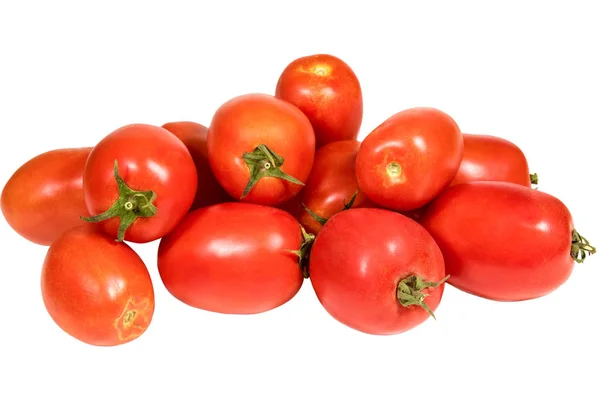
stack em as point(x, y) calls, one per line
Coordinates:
point(504, 241)
point(193, 135)
point(151, 191)
point(332, 184)
point(376, 271)
point(44, 197)
point(410, 158)
point(95, 289)
point(491, 158)
point(328, 92)
point(260, 148)
point(233, 258)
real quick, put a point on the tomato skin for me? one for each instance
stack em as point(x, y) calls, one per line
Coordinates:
point(491, 158)
point(149, 158)
point(424, 145)
point(355, 272)
point(246, 121)
point(502, 241)
point(44, 197)
point(328, 92)
point(96, 289)
point(232, 258)
point(331, 184)
point(194, 135)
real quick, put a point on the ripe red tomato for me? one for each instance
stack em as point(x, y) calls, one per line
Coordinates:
point(44, 197)
point(233, 258)
point(331, 185)
point(96, 289)
point(193, 135)
point(410, 158)
point(328, 92)
point(376, 271)
point(491, 158)
point(504, 241)
point(139, 182)
point(260, 148)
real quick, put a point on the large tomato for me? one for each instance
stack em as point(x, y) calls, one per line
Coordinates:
point(504, 241)
point(410, 158)
point(491, 158)
point(233, 258)
point(261, 148)
point(327, 90)
point(376, 271)
point(96, 289)
point(44, 197)
point(332, 185)
point(193, 135)
point(139, 182)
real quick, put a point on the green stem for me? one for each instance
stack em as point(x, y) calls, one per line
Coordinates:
point(304, 252)
point(409, 292)
point(580, 247)
point(264, 162)
point(533, 178)
point(323, 220)
point(131, 205)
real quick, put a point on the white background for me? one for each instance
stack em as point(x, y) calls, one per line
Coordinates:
point(71, 73)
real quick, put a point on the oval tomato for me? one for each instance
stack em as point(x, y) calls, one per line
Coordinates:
point(504, 241)
point(95, 289)
point(233, 258)
point(332, 185)
point(376, 271)
point(260, 148)
point(44, 197)
point(328, 92)
point(491, 158)
point(194, 135)
point(410, 158)
point(139, 182)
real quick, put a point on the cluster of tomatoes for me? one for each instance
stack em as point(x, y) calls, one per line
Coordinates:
point(277, 190)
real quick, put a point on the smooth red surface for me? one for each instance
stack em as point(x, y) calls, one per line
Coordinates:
point(149, 158)
point(96, 289)
point(501, 240)
point(357, 261)
point(44, 197)
point(243, 123)
point(425, 143)
point(233, 258)
point(491, 158)
point(194, 135)
point(327, 90)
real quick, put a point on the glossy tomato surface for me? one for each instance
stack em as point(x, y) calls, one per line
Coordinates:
point(96, 289)
point(491, 158)
point(358, 260)
point(410, 158)
point(194, 135)
point(327, 90)
point(501, 240)
point(233, 258)
point(44, 197)
point(242, 124)
point(150, 158)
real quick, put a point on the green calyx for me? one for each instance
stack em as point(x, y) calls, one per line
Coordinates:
point(409, 292)
point(322, 220)
point(580, 247)
point(264, 162)
point(131, 205)
point(533, 178)
point(304, 252)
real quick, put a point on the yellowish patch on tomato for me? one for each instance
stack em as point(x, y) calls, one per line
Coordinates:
point(393, 172)
point(134, 319)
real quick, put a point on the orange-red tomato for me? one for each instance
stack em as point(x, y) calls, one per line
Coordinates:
point(44, 197)
point(327, 90)
point(96, 289)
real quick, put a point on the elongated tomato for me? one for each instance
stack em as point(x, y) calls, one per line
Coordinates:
point(44, 197)
point(504, 241)
point(233, 258)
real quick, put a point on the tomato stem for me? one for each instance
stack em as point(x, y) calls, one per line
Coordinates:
point(264, 162)
point(304, 252)
point(409, 292)
point(131, 205)
point(580, 247)
point(533, 178)
point(323, 220)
